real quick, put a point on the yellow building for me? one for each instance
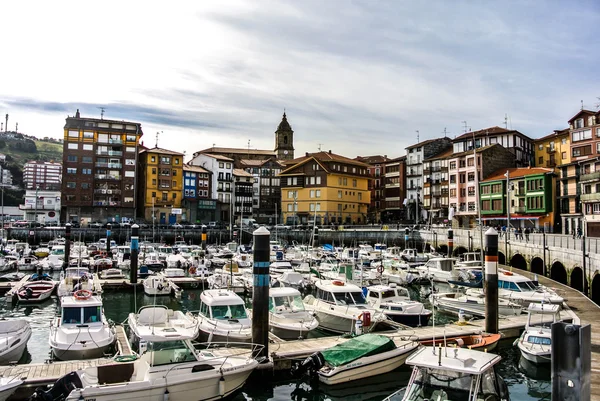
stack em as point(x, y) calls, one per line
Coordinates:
point(161, 186)
point(326, 188)
point(553, 150)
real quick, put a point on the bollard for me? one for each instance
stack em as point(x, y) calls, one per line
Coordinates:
point(133, 259)
point(571, 363)
point(491, 281)
point(260, 291)
point(406, 232)
point(108, 227)
point(450, 242)
point(203, 237)
point(65, 262)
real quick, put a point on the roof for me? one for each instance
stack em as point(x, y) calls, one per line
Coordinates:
point(326, 157)
point(221, 297)
point(245, 151)
point(284, 125)
point(196, 169)
point(218, 157)
point(161, 151)
point(258, 163)
point(580, 112)
point(443, 155)
point(487, 131)
point(556, 134)
point(376, 159)
point(283, 292)
point(456, 359)
point(238, 172)
point(517, 173)
point(478, 150)
point(423, 143)
point(396, 160)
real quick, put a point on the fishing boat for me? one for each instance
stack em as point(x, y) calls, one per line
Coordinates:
point(8, 385)
point(223, 317)
point(483, 341)
point(81, 331)
point(339, 305)
point(453, 374)
point(535, 342)
point(472, 303)
point(395, 303)
point(169, 366)
point(157, 285)
point(14, 334)
point(74, 278)
point(358, 358)
point(36, 291)
point(288, 319)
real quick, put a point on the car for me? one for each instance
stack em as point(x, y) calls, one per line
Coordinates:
point(125, 224)
point(282, 227)
point(95, 224)
point(176, 225)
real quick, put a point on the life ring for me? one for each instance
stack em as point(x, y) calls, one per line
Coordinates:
point(380, 269)
point(508, 273)
point(82, 295)
point(192, 270)
point(337, 282)
point(125, 358)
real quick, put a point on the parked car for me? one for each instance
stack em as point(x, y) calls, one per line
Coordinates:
point(282, 227)
point(176, 225)
point(95, 224)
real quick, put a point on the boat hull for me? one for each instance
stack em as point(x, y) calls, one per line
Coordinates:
point(70, 354)
point(537, 356)
point(472, 308)
point(205, 335)
point(335, 323)
point(412, 320)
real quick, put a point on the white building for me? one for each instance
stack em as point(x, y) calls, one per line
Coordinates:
point(221, 168)
point(41, 206)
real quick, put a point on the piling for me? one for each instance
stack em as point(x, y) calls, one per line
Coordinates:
point(203, 237)
point(65, 262)
point(450, 242)
point(108, 227)
point(316, 237)
point(491, 281)
point(260, 291)
point(406, 232)
point(133, 259)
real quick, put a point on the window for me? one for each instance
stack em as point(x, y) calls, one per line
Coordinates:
point(130, 138)
point(176, 161)
point(73, 134)
point(540, 147)
point(130, 149)
point(564, 155)
point(228, 166)
point(354, 183)
point(312, 193)
point(289, 207)
point(88, 134)
point(318, 193)
point(471, 177)
point(86, 159)
point(130, 162)
point(453, 193)
point(130, 174)
point(71, 158)
point(360, 196)
point(453, 179)
point(71, 185)
point(87, 146)
point(452, 165)
point(497, 204)
point(154, 181)
point(73, 145)
point(85, 185)
point(581, 135)
point(165, 160)
point(339, 194)
point(345, 181)
point(582, 151)
point(153, 159)
point(578, 123)
point(165, 197)
point(86, 171)
point(471, 161)
point(221, 165)
point(541, 159)
point(174, 195)
point(71, 170)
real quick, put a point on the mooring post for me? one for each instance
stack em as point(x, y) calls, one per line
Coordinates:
point(108, 227)
point(260, 291)
point(315, 237)
point(135, 246)
point(203, 237)
point(585, 280)
point(491, 281)
point(406, 232)
point(450, 242)
point(65, 262)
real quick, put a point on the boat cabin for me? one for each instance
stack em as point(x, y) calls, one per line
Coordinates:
point(443, 264)
point(542, 315)
point(222, 305)
point(337, 292)
point(81, 310)
point(515, 282)
point(381, 294)
point(285, 299)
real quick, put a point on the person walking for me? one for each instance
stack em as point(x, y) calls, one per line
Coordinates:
point(579, 232)
point(527, 234)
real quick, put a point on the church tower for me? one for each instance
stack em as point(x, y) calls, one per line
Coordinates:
point(284, 140)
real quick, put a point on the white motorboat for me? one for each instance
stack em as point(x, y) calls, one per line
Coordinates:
point(158, 323)
point(176, 261)
point(339, 305)
point(358, 358)
point(8, 385)
point(229, 277)
point(169, 367)
point(453, 374)
point(74, 278)
point(57, 256)
point(396, 304)
point(291, 279)
point(28, 263)
point(157, 285)
point(223, 317)
point(442, 270)
point(113, 273)
point(472, 303)
point(81, 331)
point(535, 342)
point(173, 272)
point(14, 335)
point(279, 267)
point(288, 319)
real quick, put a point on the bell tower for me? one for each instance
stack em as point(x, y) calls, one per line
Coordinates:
point(284, 140)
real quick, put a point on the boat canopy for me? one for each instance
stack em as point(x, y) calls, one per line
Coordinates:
point(358, 347)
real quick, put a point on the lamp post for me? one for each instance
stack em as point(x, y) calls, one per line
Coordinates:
point(37, 187)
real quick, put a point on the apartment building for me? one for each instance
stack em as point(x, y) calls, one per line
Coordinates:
point(41, 206)
point(436, 187)
point(326, 187)
point(266, 189)
point(393, 204)
point(221, 168)
point(377, 165)
point(242, 202)
point(42, 175)
point(197, 205)
point(99, 169)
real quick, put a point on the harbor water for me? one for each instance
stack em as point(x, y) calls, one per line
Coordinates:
point(526, 382)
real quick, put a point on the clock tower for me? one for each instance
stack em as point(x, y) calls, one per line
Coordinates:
point(284, 140)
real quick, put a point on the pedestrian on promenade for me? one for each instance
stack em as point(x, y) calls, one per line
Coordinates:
point(579, 232)
point(527, 234)
point(573, 232)
point(503, 232)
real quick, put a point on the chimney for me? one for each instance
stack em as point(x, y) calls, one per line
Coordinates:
point(306, 154)
point(77, 114)
point(329, 151)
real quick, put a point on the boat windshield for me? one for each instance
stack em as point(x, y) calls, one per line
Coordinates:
point(280, 304)
point(527, 286)
point(539, 340)
point(224, 312)
point(57, 251)
point(91, 314)
point(168, 352)
point(71, 315)
point(349, 298)
point(448, 385)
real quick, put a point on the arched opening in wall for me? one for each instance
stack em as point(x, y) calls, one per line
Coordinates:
point(537, 266)
point(460, 250)
point(501, 259)
point(558, 273)
point(596, 289)
point(519, 262)
point(577, 279)
point(443, 249)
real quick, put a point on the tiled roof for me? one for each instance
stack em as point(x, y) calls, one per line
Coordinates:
point(479, 150)
point(423, 143)
point(556, 134)
point(218, 157)
point(161, 151)
point(486, 131)
point(238, 172)
point(238, 151)
point(196, 169)
point(376, 159)
point(580, 112)
point(517, 173)
point(326, 157)
point(445, 154)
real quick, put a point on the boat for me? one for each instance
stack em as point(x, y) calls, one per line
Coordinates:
point(102, 263)
point(223, 317)
point(157, 285)
point(360, 357)
point(442, 269)
point(288, 319)
point(81, 331)
point(173, 272)
point(535, 342)
point(36, 291)
point(74, 278)
point(453, 374)
point(8, 385)
point(291, 279)
point(28, 263)
point(57, 256)
point(395, 303)
point(166, 365)
point(472, 303)
point(338, 307)
point(484, 341)
point(14, 334)
point(112, 273)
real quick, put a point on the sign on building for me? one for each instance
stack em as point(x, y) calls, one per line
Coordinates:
point(176, 211)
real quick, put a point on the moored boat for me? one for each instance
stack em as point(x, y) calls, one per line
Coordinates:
point(288, 319)
point(483, 341)
point(14, 334)
point(223, 317)
point(535, 342)
point(396, 304)
point(36, 291)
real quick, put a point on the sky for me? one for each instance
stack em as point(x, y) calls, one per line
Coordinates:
point(355, 77)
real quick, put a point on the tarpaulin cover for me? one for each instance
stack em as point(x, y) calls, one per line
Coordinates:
point(358, 347)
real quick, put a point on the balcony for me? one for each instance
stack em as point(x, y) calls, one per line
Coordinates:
point(109, 165)
point(116, 141)
point(550, 149)
point(519, 209)
point(109, 153)
point(107, 191)
point(106, 203)
point(590, 177)
point(107, 177)
point(590, 197)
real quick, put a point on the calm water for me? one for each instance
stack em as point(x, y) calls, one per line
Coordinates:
point(526, 382)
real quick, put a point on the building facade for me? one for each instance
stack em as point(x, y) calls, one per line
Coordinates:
point(99, 169)
point(436, 187)
point(325, 188)
point(198, 207)
point(284, 140)
point(266, 190)
point(243, 183)
point(161, 181)
point(221, 169)
point(393, 204)
point(42, 175)
point(377, 166)
point(42, 206)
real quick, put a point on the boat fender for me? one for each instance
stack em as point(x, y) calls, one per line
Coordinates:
point(310, 365)
point(222, 386)
point(380, 269)
point(337, 282)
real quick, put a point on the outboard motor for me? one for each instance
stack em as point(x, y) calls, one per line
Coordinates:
point(310, 365)
point(60, 390)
